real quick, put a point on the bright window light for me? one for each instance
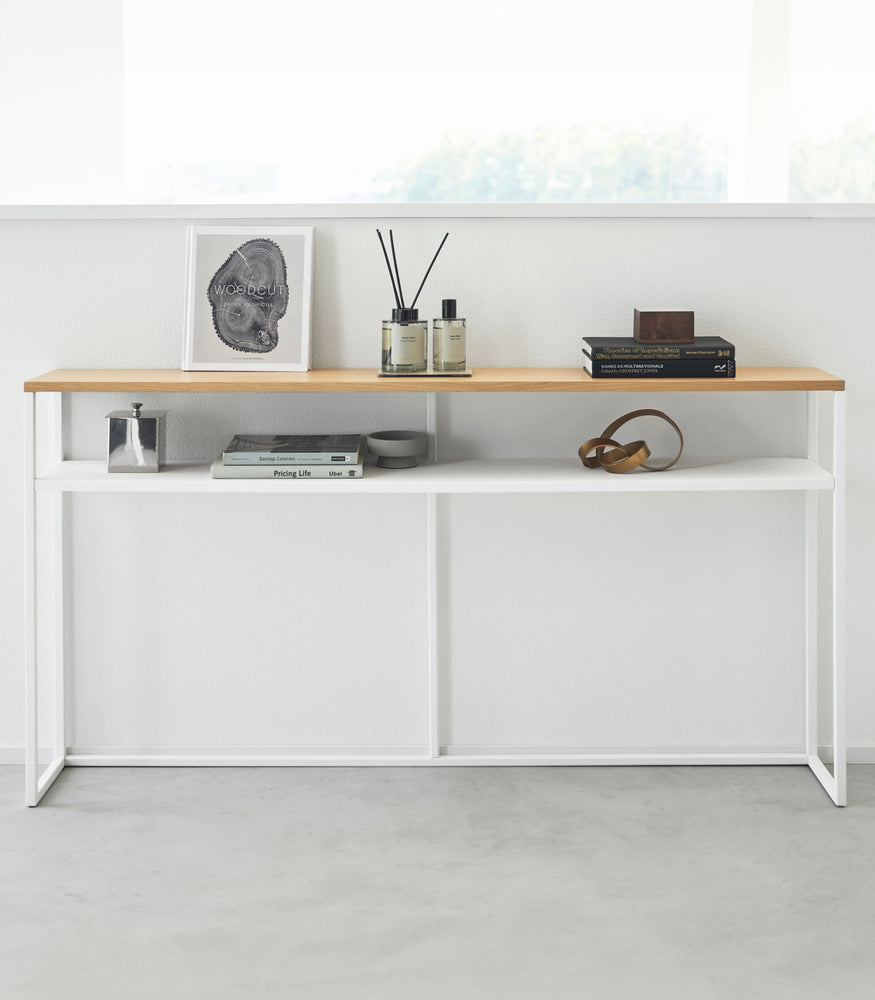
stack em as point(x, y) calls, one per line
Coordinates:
point(832, 107)
point(205, 102)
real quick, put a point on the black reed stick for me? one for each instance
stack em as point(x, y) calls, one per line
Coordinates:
point(389, 266)
point(428, 272)
point(397, 273)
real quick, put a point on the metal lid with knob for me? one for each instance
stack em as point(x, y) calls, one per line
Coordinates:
point(136, 439)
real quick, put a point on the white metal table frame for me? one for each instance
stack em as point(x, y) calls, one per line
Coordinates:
point(44, 455)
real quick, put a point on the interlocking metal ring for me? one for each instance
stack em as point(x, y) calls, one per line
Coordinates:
point(625, 457)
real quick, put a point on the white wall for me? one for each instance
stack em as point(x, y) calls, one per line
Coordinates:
point(109, 293)
point(62, 92)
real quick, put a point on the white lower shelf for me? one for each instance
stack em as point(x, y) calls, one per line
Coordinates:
point(461, 476)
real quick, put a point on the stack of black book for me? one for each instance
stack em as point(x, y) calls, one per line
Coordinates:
point(291, 457)
point(625, 357)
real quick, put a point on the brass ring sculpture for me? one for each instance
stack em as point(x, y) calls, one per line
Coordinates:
point(625, 457)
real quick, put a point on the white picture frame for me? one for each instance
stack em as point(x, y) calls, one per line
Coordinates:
point(248, 298)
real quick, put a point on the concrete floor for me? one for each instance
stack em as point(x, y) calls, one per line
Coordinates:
point(452, 883)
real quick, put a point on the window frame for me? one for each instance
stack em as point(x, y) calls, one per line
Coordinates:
point(466, 210)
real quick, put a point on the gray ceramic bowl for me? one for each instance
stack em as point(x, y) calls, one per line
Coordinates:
point(397, 449)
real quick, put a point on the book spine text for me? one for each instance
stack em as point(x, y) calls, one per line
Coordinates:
point(221, 470)
point(668, 352)
point(660, 369)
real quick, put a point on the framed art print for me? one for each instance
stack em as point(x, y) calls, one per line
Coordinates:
point(248, 298)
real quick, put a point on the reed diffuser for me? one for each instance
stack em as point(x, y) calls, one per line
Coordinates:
point(405, 336)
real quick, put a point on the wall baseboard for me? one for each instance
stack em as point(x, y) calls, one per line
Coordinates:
point(14, 756)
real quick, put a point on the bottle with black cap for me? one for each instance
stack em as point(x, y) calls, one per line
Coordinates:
point(405, 338)
point(448, 340)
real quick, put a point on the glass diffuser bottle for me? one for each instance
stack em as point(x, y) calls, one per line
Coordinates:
point(405, 342)
point(448, 340)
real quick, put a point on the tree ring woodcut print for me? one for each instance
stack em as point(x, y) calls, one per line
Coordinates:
point(249, 294)
point(248, 298)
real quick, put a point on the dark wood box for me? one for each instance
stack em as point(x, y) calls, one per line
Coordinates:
point(663, 327)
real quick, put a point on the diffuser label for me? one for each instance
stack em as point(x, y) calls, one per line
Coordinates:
point(449, 346)
point(408, 344)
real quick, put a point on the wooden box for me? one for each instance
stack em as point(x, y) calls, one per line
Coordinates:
point(663, 326)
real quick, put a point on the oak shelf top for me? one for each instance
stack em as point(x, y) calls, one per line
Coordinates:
point(368, 380)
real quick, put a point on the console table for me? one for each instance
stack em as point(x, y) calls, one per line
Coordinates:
point(49, 472)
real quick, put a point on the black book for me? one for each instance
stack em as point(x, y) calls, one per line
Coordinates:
point(627, 348)
point(658, 369)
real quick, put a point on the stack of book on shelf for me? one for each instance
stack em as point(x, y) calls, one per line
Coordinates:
point(290, 457)
point(625, 357)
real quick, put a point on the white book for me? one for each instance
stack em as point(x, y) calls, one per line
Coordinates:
point(220, 470)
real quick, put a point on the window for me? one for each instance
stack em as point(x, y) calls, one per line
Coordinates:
point(832, 107)
point(208, 102)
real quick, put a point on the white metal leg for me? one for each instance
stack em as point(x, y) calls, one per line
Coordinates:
point(838, 602)
point(36, 783)
point(31, 778)
point(811, 585)
point(431, 424)
point(834, 781)
point(433, 660)
point(58, 657)
point(431, 420)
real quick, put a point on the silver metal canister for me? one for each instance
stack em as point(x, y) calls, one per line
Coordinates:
point(135, 440)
